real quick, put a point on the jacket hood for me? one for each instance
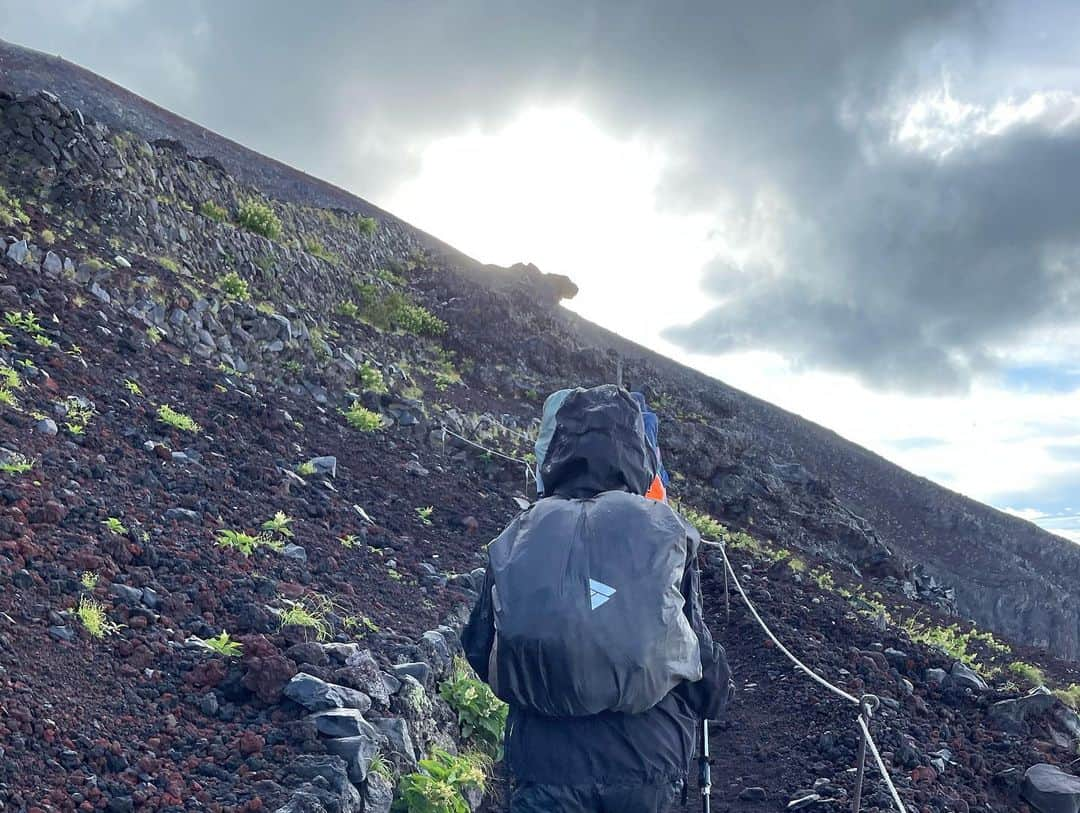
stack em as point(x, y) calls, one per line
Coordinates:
point(598, 445)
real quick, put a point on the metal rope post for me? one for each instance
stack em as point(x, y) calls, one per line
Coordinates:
point(867, 706)
point(705, 776)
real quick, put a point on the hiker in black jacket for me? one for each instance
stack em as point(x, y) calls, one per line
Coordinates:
point(605, 701)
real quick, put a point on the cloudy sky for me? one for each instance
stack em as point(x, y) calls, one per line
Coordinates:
point(867, 212)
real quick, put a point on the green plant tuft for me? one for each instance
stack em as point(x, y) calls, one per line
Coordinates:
point(1028, 672)
point(115, 526)
point(315, 247)
point(481, 715)
point(223, 645)
point(708, 527)
point(438, 785)
point(279, 524)
point(16, 463)
point(246, 543)
point(1069, 696)
point(234, 287)
point(370, 378)
point(257, 216)
point(93, 617)
point(367, 226)
point(214, 211)
point(361, 418)
point(177, 420)
point(310, 613)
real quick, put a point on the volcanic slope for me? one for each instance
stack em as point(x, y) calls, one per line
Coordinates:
point(749, 460)
point(174, 380)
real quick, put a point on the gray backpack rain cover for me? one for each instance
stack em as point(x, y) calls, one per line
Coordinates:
point(587, 603)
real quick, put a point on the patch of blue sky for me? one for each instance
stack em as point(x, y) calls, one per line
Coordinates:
point(1041, 378)
point(916, 443)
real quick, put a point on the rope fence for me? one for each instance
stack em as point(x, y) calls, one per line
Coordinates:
point(867, 704)
point(494, 452)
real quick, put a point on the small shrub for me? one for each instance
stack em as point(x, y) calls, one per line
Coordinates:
point(367, 225)
point(361, 418)
point(169, 264)
point(11, 212)
point(306, 469)
point(244, 542)
point(9, 377)
point(8, 399)
point(153, 335)
point(349, 309)
point(257, 216)
point(708, 527)
point(24, 321)
point(115, 526)
point(381, 767)
point(425, 514)
point(133, 387)
point(1028, 672)
point(93, 617)
point(823, 579)
point(48, 237)
point(223, 645)
point(88, 580)
point(438, 784)
point(370, 378)
point(310, 613)
point(315, 248)
point(1070, 696)
point(16, 463)
point(234, 287)
point(419, 320)
point(177, 420)
point(359, 624)
point(395, 310)
point(348, 541)
point(78, 412)
point(213, 211)
point(5, 340)
point(279, 524)
point(481, 715)
point(953, 641)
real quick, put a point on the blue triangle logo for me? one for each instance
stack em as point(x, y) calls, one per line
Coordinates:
point(599, 592)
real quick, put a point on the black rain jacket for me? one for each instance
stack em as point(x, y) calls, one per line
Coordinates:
point(599, 445)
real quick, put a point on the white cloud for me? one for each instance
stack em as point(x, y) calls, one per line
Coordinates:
point(937, 123)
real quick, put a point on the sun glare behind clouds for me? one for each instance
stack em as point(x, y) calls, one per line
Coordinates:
point(553, 189)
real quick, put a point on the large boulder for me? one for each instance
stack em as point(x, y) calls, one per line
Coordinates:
point(395, 731)
point(1050, 790)
point(358, 752)
point(1012, 715)
point(318, 695)
point(326, 778)
point(378, 794)
point(963, 677)
point(341, 723)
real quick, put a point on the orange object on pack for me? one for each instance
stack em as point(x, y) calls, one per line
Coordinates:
point(656, 490)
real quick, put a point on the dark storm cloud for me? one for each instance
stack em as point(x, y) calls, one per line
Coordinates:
point(904, 268)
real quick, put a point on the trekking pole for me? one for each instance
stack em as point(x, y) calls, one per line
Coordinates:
point(705, 771)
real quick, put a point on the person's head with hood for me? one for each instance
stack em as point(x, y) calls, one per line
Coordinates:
point(598, 444)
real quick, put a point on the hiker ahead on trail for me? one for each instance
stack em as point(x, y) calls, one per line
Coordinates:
point(589, 623)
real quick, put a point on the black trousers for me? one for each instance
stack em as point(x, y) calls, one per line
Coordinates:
point(531, 797)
